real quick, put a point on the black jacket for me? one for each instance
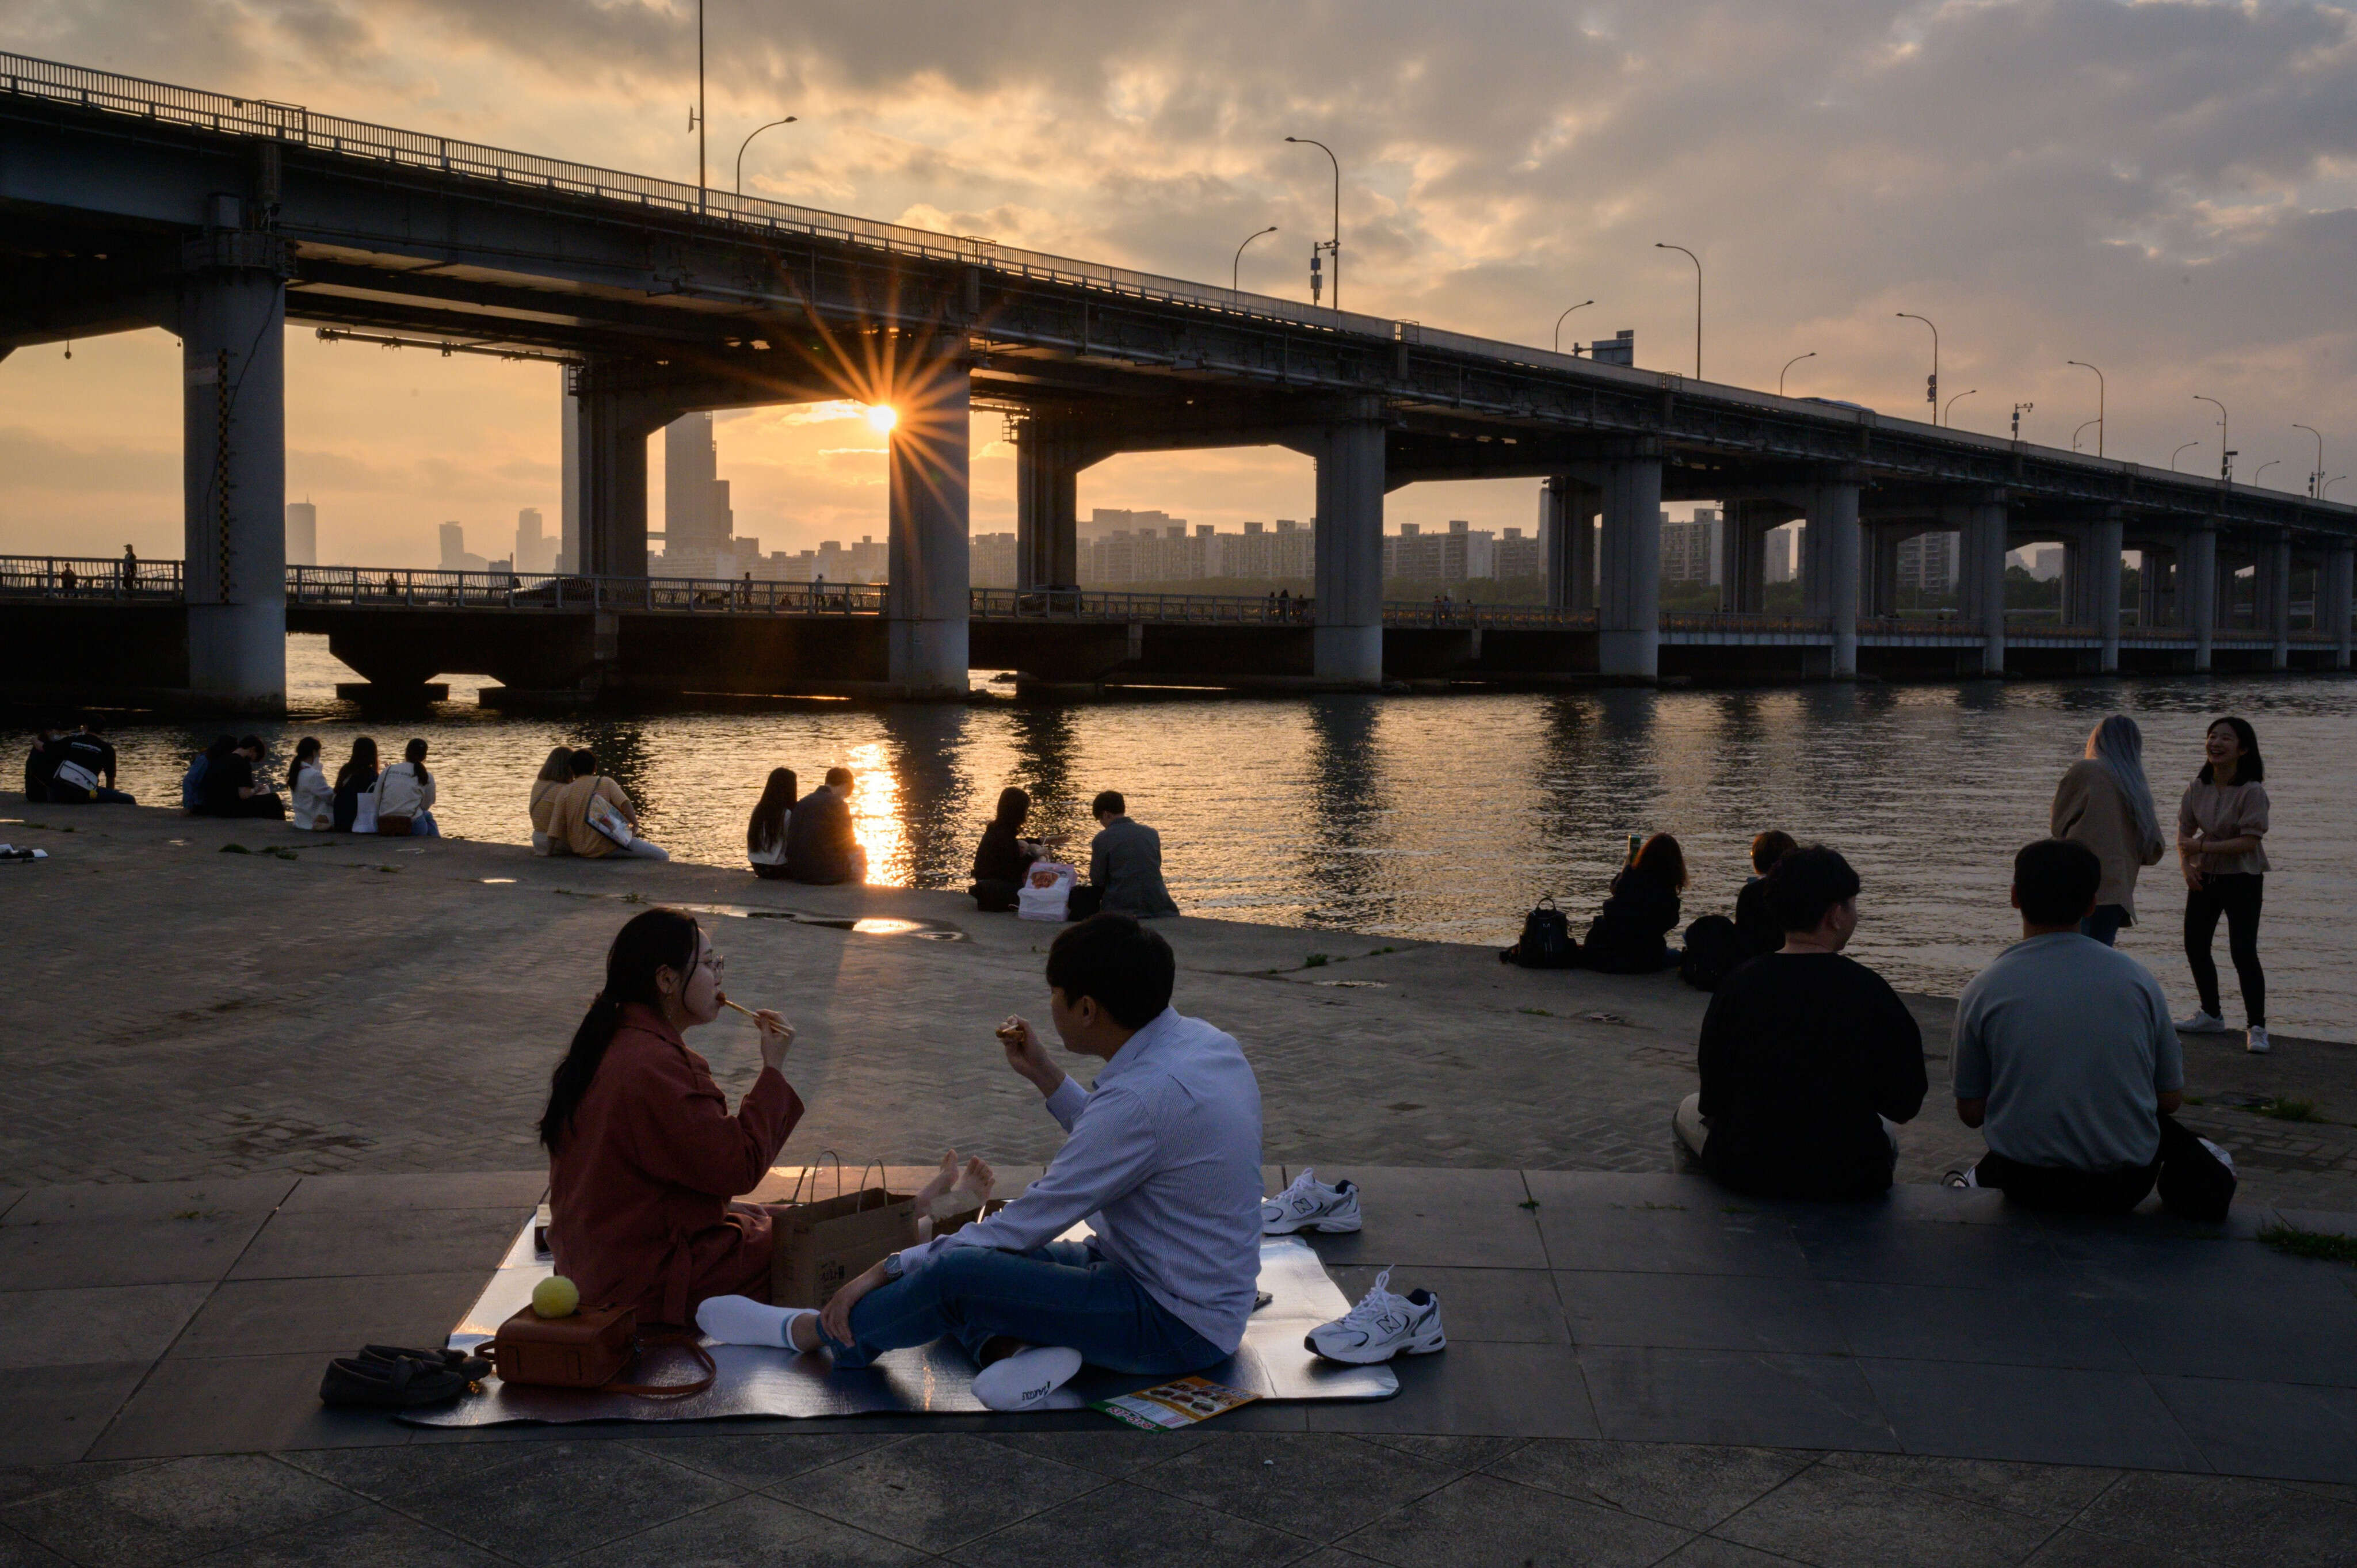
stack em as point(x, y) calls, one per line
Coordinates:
point(1628, 934)
point(1001, 857)
point(820, 845)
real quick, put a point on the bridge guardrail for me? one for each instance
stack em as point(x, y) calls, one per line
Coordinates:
point(405, 588)
point(89, 578)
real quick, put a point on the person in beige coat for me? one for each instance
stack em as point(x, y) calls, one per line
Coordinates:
point(2104, 801)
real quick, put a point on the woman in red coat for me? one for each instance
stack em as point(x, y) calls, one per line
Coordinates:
point(644, 1157)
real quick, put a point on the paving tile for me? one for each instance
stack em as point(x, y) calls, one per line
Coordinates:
point(394, 1475)
point(2254, 1336)
point(170, 1512)
point(1108, 1452)
point(1680, 1483)
point(750, 1529)
point(16, 1551)
point(74, 1327)
point(1436, 1217)
point(2053, 1415)
point(1731, 1396)
point(2307, 1433)
point(2084, 1549)
point(933, 1493)
point(551, 1500)
point(1700, 1312)
point(19, 1482)
point(375, 1194)
point(1676, 1235)
point(319, 1245)
point(2163, 1269)
point(1837, 1518)
point(1124, 1524)
point(1317, 1484)
point(369, 1536)
point(251, 1404)
point(1955, 1323)
point(112, 1203)
point(2227, 1520)
point(2052, 1492)
point(63, 1256)
point(9, 1198)
point(1846, 1246)
point(329, 1318)
point(757, 1462)
point(1513, 1305)
point(1709, 1551)
point(1476, 1389)
point(51, 1416)
point(1480, 1520)
point(1458, 1453)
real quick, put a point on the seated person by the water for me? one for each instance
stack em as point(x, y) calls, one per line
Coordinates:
point(1163, 1162)
point(644, 1156)
point(82, 773)
point(313, 800)
point(1005, 855)
point(1754, 922)
point(233, 786)
point(547, 837)
point(40, 764)
point(1124, 865)
point(1628, 935)
point(765, 830)
point(578, 819)
point(1806, 1057)
point(404, 791)
point(821, 847)
point(2066, 1057)
point(355, 784)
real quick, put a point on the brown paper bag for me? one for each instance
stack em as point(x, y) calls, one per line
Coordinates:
point(824, 1241)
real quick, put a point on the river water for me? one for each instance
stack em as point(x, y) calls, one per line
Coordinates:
point(1444, 817)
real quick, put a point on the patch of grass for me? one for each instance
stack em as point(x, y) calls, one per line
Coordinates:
point(388, 869)
point(235, 849)
point(1378, 952)
point(283, 853)
point(2291, 1111)
point(634, 898)
point(2310, 1243)
point(189, 1214)
point(1530, 1203)
point(1535, 1012)
point(1315, 960)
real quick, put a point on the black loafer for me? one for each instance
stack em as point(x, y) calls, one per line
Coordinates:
point(473, 1369)
point(388, 1385)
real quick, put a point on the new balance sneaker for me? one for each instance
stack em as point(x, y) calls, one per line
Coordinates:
point(2203, 1022)
point(1310, 1205)
point(2255, 1040)
point(1381, 1326)
point(1021, 1381)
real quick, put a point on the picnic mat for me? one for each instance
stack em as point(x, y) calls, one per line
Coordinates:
point(928, 1380)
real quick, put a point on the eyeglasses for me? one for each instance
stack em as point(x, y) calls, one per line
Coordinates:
point(715, 963)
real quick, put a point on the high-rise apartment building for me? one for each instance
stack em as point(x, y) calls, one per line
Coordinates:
point(302, 535)
point(535, 549)
point(1517, 556)
point(698, 526)
point(1690, 551)
point(1928, 562)
point(1780, 551)
point(991, 558)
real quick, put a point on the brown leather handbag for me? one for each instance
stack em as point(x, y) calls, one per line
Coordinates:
point(587, 1350)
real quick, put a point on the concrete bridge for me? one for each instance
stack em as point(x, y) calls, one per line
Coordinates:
point(126, 204)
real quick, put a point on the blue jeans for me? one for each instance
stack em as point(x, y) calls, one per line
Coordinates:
point(424, 826)
point(1063, 1294)
point(2103, 923)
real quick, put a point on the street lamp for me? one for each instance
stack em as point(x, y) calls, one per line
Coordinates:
point(2173, 456)
point(2225, 458)
point(2317, 477)
point(1333, 246)
point(1787, 369)
point(2263, 469)
point(1236, 270)
point(749, 141)
point(1558, 323)
point(2099, 407)
point(2326, 487)
point(2019, 409)
point(2080, 431)
point(1697, 262)
point(1950, 411)
point(696, 115)
point(1931, 387)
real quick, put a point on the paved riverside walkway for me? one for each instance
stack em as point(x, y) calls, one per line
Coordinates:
point(246, 1095)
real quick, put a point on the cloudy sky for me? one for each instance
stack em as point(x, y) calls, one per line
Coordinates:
point(2164, 189)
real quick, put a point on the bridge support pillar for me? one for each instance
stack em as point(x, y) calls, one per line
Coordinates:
point(232, 326)
point(2336, 585)
point(1744, 527)
point(1568, 533)
point(2197, 590)
point(1830, 581)
point(928, 602)
point(568, 542)
point(1047, 506)
point(2275, 597)
point(619, 406)
point(1982, 523)
point(1628, 582)
point(2102, 560)
point(1347, 646)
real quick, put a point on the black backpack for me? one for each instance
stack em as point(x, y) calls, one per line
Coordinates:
point(1714, 946)
point(1547, 940)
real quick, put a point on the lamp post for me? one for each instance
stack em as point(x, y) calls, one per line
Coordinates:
point(1949, 413)
point(1788, 368)
point(2099, 407)
point(2080, 431)
point(2225, 458)
point(2019, 409)
point(1931, 387)
point(2263, 468)
point(2317, 477)
point(1558, 323)
point(2325, 488)
point(2173, 456)
point(1236, 269)
point(696, 116)
point(1697, 262)
point(1333, 247)
point(749, 141)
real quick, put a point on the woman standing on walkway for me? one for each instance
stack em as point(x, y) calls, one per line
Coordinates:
point(2221, 828)
point(2105, 802)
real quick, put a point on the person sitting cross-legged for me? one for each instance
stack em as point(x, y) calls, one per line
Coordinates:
point(1807, 1058)
point(2065, 1055)
point(1163, 1163)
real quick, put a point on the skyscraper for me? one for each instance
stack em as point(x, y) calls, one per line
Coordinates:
point(534, 550)
point(697, 523)
point(302, 535)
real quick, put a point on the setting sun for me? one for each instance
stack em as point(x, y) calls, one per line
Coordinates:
point(882, 417)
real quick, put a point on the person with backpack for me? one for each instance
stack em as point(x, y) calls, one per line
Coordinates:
point(83, 773)
point(596, 819)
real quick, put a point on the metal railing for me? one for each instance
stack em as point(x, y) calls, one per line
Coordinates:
point(89, 577)
point(405, 588)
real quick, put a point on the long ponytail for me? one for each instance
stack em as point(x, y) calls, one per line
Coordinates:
point(659, 938)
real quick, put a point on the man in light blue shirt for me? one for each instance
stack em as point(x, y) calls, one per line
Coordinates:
point(1163, 1163)
point(2065, 1056)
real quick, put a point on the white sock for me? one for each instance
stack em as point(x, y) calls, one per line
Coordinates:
point(1022, 1381)
point(741, 1320)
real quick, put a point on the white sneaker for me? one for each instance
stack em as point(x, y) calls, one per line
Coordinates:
point(2201, 1023)
point(1021, 1381)
point(1310, 1205)
point(1381, 1326)
point(2255, 1040)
